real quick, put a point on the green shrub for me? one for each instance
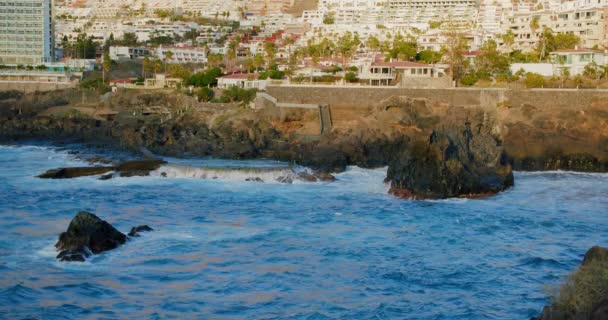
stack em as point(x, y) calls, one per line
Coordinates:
point(204, 94)
point(237, 94)
point(350, 76)
point(534, 80)
point(469, 79)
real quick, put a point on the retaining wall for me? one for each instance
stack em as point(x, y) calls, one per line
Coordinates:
point(365, 96)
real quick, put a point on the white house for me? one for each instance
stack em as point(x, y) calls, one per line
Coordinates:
point(575, 60)
point(241, 80)
point(404, 73)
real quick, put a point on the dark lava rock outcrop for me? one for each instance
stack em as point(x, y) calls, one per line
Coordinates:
point(584, 296)
point(136, 230)
point(462, 161)
point(87, 234)
point(75, 172)
point(126, 169)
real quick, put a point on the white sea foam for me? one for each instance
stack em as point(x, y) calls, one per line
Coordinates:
point(234, 174)
point(561, 173)
point(365, 180)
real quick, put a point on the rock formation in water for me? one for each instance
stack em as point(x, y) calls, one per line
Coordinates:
point(461, 161)
point(584, 296)
point(136, 230)
point(87, 234)
point(125, 169)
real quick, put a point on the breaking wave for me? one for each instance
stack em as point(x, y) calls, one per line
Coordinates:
point(280, 175)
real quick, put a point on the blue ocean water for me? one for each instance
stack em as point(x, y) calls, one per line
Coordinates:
point(229, 249)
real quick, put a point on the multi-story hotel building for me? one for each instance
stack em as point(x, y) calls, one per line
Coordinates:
point(26, 32)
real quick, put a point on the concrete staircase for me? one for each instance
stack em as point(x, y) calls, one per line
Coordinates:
point(324, 110)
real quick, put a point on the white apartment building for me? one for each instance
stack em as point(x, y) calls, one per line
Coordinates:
point(124, 53)
point(182, 54)
point(590, 25)
point(26, 32)
point(268, 7)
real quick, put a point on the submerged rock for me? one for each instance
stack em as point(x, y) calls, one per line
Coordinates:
point(87, 232)
point(70, 173)
point(125, 169)
point(457, 162)
point(305, 176)
point(138, 167)
point(136, 230)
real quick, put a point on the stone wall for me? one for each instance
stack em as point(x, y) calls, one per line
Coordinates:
point(366, 97)
point(34, 86)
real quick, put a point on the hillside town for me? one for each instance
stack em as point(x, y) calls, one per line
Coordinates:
point(197, 45)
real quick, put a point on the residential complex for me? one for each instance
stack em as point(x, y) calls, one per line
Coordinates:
point(322, 39)
point(26, 32)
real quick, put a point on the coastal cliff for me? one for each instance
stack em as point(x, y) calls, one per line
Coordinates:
point(177, 125)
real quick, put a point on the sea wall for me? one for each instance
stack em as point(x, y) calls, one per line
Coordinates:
point(366, 97)
point(28, 87)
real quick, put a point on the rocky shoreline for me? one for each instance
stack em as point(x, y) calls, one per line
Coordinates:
point(174, 125)
point(584, 295)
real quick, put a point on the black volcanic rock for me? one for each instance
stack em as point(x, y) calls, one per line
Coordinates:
point(460, 161)
point(138, 167)
point(136, 230)
point(585, 294)
point(125, 169)
point(87, 234)
point(70, 173)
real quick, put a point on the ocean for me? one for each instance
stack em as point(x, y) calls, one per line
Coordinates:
point(226, 248)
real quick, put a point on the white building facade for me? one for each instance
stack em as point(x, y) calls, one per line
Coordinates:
point(26, 32)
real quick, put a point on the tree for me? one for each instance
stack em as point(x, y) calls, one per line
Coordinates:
point(350, 76)
point(551, 42)
point(231, 53)
point(534, 24)
point(168, 57)
point(508, 39)
point(129, 39)
point(456, 46)
point(237, 94)
point(258, 61)
point(491, 60)
point(178, 71)
point(106, 64)
point(372, 43)
point(214, 60)
point(403, 49)
point(347, 45)
point(329, 18)
point(205, 79)
point(271, 50)
point(428, 56)
point(204, 94)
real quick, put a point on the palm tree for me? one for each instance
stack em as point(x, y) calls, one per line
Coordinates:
point(508, 39)
point(168, 56)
